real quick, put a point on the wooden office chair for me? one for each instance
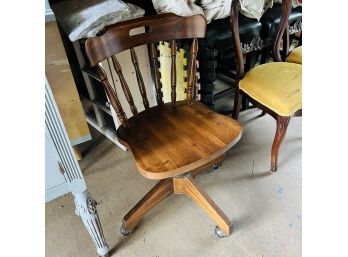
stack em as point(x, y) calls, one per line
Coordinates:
point(276, 88)
point(170, 142)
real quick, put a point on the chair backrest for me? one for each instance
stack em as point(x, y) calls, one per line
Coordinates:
point(283, 30)
point(117, 38)
point(294, 25)
point(235, 8)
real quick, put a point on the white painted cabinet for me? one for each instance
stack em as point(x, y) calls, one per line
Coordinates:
point(63, 173)
point(55, 183)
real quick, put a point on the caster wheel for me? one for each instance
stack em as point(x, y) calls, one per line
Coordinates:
point(219, 232)
point(215, 166)
point(124, 231)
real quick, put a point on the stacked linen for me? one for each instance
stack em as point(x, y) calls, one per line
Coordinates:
point(215, 9)
point(221, 8)
point(85, 18)
point(179, 7)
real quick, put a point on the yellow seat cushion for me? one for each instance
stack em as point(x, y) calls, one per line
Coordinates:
point(295, 55)
point(278, 86)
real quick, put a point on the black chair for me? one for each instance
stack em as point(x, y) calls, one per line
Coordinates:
point(270, 22)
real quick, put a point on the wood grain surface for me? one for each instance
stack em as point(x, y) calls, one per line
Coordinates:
point(167, 142)
point(59, 76)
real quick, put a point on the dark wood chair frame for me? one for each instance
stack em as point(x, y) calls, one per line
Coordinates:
point(164, 27)
point(287, 37)
point(282, 121)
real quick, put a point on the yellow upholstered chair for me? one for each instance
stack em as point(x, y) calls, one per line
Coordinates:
point(295, 56)
point(276, 88)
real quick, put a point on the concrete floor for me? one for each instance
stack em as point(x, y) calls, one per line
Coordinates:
point(265, 208)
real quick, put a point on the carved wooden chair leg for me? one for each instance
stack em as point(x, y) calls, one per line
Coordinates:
point(160, 191)
point(282, 125)
point(187, 185)
point(236, 104)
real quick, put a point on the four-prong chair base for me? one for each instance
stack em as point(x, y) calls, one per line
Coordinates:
point(178, 185)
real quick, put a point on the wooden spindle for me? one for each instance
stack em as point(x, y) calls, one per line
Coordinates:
point(158, 84)
point(112, 96)
point(139, 78)
point(194, 94)
point(124, 85)
point(192, 70)
point(173, 72)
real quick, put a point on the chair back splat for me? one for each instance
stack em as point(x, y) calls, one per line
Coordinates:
point(139, 79)
point(173, 72)
point(283, 28)
point(117, 38)
point(157, 76)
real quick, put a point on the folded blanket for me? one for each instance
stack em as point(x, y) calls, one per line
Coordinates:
point(85, 18)
point(214, 9)
point(255, 9)
point(178, 7)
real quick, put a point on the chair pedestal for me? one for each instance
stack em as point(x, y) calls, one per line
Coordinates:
point(179, 185)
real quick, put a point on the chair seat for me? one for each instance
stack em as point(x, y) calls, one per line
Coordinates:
point(295, 55)
point(166, 143)
point(278, 86)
